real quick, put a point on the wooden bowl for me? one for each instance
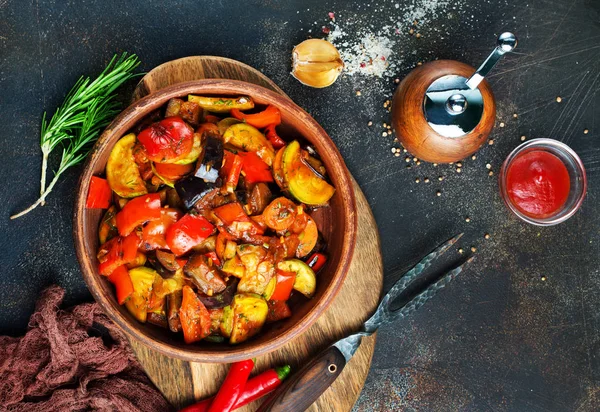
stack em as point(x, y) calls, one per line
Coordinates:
point(337, 223)
point(411, 126)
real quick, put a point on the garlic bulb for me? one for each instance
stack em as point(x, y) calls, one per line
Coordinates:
point(316, 63)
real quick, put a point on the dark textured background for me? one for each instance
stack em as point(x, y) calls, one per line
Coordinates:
point(500, 338)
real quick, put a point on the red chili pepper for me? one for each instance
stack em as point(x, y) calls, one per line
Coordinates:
point(169, 139)
point(255, 388)
point(230, 171)
point(213, 255)
point(123, 285)
point(273, 137)
point(137, 211)
point(188, 232)
point(117, 252)
point(316, 261)
point(99, 194)
point(254, 169)
point(270, 115)
point(285, 284)
point(232, 387)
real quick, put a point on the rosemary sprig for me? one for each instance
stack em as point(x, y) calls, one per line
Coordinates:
point(87, 109)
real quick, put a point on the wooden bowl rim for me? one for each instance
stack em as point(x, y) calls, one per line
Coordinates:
point(129, 117)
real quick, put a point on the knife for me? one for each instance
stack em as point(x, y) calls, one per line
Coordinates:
point(303, 388)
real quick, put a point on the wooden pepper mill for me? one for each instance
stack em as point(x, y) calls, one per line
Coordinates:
point(444, 110)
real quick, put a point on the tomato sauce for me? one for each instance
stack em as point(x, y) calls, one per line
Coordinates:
point(538, 183)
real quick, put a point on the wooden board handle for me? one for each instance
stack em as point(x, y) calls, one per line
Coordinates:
point(300, 390)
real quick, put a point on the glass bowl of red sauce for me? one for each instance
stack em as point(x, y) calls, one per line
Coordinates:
point(543, 182)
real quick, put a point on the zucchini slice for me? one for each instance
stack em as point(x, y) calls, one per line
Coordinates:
point(308, 238)
point(222, 104)
point(142, 279)
point(250, 139)
point(224, 124)
point(249, 315)
point(302, 182)
point(122, 172)
point(193, 155)
point(306, 280)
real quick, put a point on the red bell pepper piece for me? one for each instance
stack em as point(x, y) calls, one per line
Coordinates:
point(237, 221)
point(153, 234)
point(169, 139)
point(194, 317)
point(137, 211)
point(123, 285)
point(284, 286)
point(173, 171)
point(117, 252)
point(316, 261)
point(188, 232)
point(255, 388)
point(254, 169)
point(230, 171)
point(273, 137)
point(213, 255)
point(232, 387)
point(270, 115)
point(99, 194)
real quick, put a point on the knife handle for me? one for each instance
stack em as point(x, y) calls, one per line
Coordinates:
point(300, 390)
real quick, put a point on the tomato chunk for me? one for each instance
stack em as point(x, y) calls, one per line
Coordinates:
point(195, 318)
point(188, 232)
point(230, 171)
point(153, 234)
point(237, 221)
point(140, 210)
point(316, 261)
point(254, 169)
point(99, 195)
point(168, 139)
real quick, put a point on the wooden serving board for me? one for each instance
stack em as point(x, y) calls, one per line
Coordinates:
point(181, 382)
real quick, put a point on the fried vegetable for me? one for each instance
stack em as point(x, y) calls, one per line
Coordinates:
point(280, 213)
point(259, 269)
point(250, 139)
point(278, 309)
point(173, 306)
point(308, 238)
point(207, 245)
point(204, 274)
point(156, 265)
point(270, 288)
point(215, 322)
point(222, 104)
point(224, 124)
point(278, 171)
point(302, 183)
point(158, 318)
point(190, 112)
point(222, 299)
point(108, 225)
point(173, 107)
point(140, 260)
point(194, 317)
point(122, 172)
point(168, 260)
point(169, 173)
point(192, 189)
point(234, 267)
point(259, 198)
point(192, 155)
point(249, 315)
point(142, 279)
point(306, 281)
point(212, 160)
point(226, 321)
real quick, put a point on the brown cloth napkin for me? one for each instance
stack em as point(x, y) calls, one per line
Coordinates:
point(73, 360)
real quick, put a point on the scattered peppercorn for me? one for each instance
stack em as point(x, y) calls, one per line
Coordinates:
point(543, 278)
point(458, 170)
point(418, 35)
point(358, 93)
point(473, 249)
point(397, 154)
point(491, 173)
point(461, 251)
point(426, 180)
point(523, 138)
point(435, 165)
point(585, 131)
point(441, 178)
point(411, 31)
point(488, 166)
point(418, 162)
point(501, 124)
point(468, 219)
point(487, 236)
point(396, 81)
point(438, 193)
point(491, 142)
point(515, 115)
point(473, 157)
point(393, 150)
point(417, 180)
point(559, 99)
point(370, 123)
point(384, 134)
point(459, 164)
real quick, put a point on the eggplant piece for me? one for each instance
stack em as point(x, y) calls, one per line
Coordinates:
point(173, 107)
point(214, 339)
point(208, 168)
point(204, 274)
point(173, 306)
point(190, 112)
point(222, 299)
point(242, 196)
point(259, 198)
point(167, 260)
point(156, 265)
point(192, 189)
point(158, 319)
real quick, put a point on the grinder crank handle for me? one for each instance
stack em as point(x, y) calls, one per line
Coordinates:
point(506, 43)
